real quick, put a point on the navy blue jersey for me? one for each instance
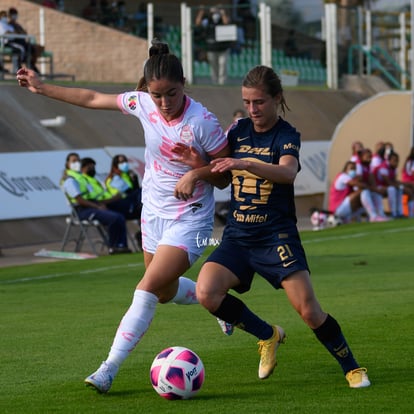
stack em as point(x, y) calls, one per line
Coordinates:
point(261, 211)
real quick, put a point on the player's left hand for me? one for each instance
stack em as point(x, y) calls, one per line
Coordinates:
point(185, 186)
point(187, 155)
point(227, 164)
point(29, 79)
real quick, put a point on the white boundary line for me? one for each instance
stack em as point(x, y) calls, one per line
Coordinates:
point(57, 275)
point(100, 269)
point(357, 235)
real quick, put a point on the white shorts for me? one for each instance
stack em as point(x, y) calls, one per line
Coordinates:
point(344, 210)
point(193, 236)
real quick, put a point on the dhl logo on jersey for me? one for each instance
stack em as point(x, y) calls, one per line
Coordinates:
point(247, 149)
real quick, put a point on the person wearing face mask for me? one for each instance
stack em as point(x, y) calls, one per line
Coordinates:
point(349, 197)
point(216, 51)
point(126, 204)
point(89, 203)
point(122, 180)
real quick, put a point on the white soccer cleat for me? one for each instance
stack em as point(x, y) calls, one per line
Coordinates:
point(226, 327)
point(102, 378)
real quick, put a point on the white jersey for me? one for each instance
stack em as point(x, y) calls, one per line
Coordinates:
point(196, 127)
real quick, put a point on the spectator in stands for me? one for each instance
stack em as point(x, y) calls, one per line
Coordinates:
point(365, 175)
point(91, 11)
point(217, 51)
point(378, 156)
point(348, 196)
point(3, 29)
point(83, 198)
point(386, 178)
point(122, 180)
point(407, 174)
point(389, 148)
point(18, 46)
point(407, 177)
point(34, 50)
point(356, 147)
point(123, 203)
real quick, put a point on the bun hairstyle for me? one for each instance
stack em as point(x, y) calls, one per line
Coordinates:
point(161, 65)
point(158, 48)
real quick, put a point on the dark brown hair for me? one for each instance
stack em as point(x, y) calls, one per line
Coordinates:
point(267, 80)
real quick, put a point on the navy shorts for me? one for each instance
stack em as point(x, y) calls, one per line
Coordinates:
point(274, 263)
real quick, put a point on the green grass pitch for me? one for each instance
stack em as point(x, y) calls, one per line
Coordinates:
point(58, 319)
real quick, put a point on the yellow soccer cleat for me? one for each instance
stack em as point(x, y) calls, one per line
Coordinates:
point(358, 378)
point(267, 351)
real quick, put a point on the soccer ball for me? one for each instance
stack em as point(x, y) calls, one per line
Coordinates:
point(319, 220)
point(177, 373)
point(334, 221)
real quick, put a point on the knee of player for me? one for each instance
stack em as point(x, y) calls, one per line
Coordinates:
point(207, 298)
point(312, 315)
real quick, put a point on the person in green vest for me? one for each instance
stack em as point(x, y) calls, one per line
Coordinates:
point(123, 180)
point(86, 200)
point(121, 202)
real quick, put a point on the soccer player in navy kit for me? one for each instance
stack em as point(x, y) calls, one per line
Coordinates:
point(261, 234)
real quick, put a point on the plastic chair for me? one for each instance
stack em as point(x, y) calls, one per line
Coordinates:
point(83, 227)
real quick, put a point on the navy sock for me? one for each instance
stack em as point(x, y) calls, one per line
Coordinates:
point(234, 311)
point(331, 337)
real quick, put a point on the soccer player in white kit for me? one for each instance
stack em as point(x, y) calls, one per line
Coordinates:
point(178, 202)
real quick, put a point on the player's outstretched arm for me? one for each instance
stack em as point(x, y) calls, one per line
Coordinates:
point(282, 173)
point(87, 98)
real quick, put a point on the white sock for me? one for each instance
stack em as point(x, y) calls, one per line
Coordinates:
point(379, 206)
point(186, 294)
point(133, 326)
point(367, 202)
point(392, 200)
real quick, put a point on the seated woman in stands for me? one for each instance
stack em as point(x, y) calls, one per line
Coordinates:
point(122, 180)
point(349, 196)
point(386, 178)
